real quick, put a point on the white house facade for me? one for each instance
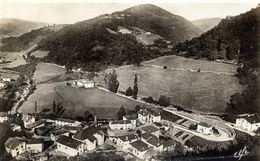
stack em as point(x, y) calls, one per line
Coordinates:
point(146, 117)
point(15, 146)
point(69, 146)
point(121, 125)
point(67, 122)
point(204, 128)
point(248, 123)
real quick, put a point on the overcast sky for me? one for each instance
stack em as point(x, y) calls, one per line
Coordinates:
point(72, 12)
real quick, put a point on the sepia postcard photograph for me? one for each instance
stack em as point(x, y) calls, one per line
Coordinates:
point(122, 80)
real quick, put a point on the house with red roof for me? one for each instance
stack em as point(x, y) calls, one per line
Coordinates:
point(69, 146)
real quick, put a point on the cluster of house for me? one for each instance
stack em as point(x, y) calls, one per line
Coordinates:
point(143, 140)
point(69, 137)
point(138, 134)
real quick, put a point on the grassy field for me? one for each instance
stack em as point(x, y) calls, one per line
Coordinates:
point(52, 73)
point(174, 61)
point(46, 72)
point(40, 54)
point(78, 100)
point(197, 91)
point(16, 58)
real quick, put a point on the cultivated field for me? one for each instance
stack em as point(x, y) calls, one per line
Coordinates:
point(16, 58)
point(46, 72)
point(40, 54)
point(78, 100)
point(198, 91)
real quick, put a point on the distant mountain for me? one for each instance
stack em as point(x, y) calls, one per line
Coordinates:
point(206, 24)
point(23, 42)
point(111, 39)
point(17, 27)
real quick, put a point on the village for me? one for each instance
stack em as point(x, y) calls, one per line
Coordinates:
point(143, 135)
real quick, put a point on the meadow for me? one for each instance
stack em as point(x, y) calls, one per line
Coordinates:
point(78, 100)
point(206, 92)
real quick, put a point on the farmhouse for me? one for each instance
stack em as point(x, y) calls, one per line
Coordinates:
point(248, 123)
point(91, 137)
point(121, 125)
point(3, 117)
point(132, 118)
point(139, 148)
point(150, 129)
point(146, 117)
point(15, 146)
point(152, 141)
point(67, 122)
point(34, 145)
point(204, 128)
point(84, 83)
point(69, 146)
point(125, 140)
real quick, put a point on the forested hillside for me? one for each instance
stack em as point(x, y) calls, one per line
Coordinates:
point(94, 44)
point(234, 38)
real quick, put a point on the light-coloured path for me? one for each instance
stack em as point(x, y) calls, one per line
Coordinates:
point(190, 70)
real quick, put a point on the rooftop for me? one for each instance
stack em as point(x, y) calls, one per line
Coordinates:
point(66, 120)
point(150, 129)
point(13, 142)
point(128, 137)
point(88, 133)
point(251, 119)
point(168, 143)
point(151, 139)
point(59, 132)
point(65, 140)
point(34, 141)
point(121, 122)
point(36, 123)
point(146, 112)
point(204, 124)
point(139, 145)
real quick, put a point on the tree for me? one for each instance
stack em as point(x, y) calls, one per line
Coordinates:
point(193, 126)
point(139, 133)
point(129, 91)
point(164, 101)
point(149, 99)
point(111, 81)
point(135, 88)
point(137, 108)
point(58, 109)
point(87, 116)
point(121, 112)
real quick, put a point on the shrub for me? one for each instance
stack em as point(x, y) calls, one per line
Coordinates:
point(164, 101)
